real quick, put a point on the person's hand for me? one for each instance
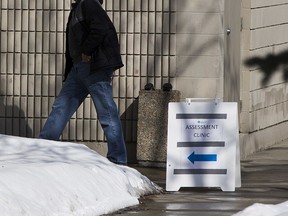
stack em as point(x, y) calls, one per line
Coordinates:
point(85, 58)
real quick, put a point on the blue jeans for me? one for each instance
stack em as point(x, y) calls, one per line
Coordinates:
point(77, 86)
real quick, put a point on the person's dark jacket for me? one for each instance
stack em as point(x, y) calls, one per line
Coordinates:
point(97, 34)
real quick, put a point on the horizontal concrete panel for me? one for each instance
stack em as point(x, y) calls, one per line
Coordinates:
point(199, 88)
point(263, 17)
point(269, 36)
point(201, 5)
point(200, 66)
point(273, 115)
point(262, 139)
point(195, 45)
point(265, 3)
point(257, 77)
point(201, 23)
point(263, 55)
point(270, 96)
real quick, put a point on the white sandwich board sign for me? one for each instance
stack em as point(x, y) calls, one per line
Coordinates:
point(203, 145)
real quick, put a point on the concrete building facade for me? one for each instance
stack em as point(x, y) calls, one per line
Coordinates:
point(199, 46)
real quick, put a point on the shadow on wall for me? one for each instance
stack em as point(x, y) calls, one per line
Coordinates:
point(13, 121)
point(129, 123)
point(269, 65)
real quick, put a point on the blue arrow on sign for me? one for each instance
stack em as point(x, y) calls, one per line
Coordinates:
point(202, 158)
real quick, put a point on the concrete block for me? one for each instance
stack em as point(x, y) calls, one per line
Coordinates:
point(152, 125)
point(2, 125)
point(93, 129)
point(37, 107)
point(79, 129)
point(173, 23)
point(24, 42)
point(3, 66)
point(59, 64)
point(45, 64)
point(60, 5)
point(72, 129)
point(61, 25)
point(10, 42)
point(123, 22)
point(32, 45)
point(11, 20)
point(52, 42)
point(10, 63)
point(17, 84)
point(4, 42)
point(158, 44)
point(17, 43)
point(2, 107)
point(2, 85)
point(159, 22)
point(45, 107)
point(166, 5)
point(174, 44)
point(86, 129)
point(4, 4)
point(23, 106)
point(159, 5)
point(17, 20)
point(16, 107)
point(9, 107)
point(24, 85)
point(31, 85)
point(79, 113)
point(145, 4)
point(9, 126)
point(151, 44)
point(10, 80)
point(87, 106)
point(32, 21)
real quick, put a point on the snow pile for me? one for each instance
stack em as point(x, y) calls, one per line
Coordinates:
point(48, 178)
point(259, 209)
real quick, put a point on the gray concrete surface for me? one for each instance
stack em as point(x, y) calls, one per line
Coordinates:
point(264, 180)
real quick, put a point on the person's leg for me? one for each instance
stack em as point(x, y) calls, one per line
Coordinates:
point(100, 89)
point(69, 99)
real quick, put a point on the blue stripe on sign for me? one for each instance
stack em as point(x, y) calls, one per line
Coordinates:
point(202, 157)
point(201, 116)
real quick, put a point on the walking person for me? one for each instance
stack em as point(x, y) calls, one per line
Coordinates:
point(92, 56)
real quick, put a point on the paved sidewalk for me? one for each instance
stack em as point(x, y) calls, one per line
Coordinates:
point(264, 180)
